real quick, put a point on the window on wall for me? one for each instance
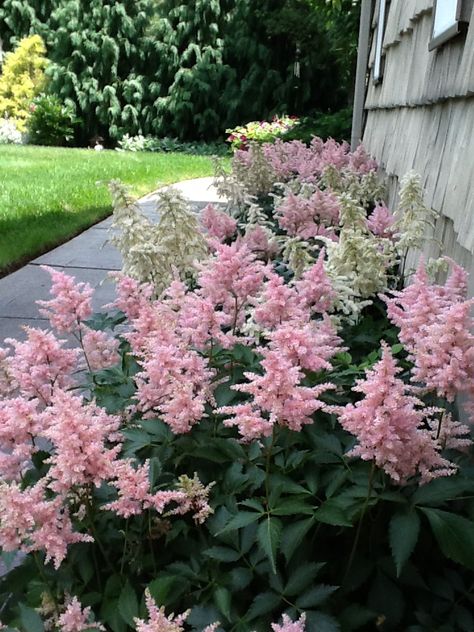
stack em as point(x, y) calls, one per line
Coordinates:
point(379, 59)
point(450, 17)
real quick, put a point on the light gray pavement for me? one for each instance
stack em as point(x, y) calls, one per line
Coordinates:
point(88, 257)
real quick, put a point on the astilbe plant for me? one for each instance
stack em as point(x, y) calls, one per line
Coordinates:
point(234, 452)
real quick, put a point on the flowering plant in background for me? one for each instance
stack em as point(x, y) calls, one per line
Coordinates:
point(259, 435)
point(9, 133)
point(260, 131)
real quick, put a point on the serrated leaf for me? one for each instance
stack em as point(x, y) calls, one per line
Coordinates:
point(404, 530)
point(268, 535)
point(315, 596)
point(301, 578)
point(321, 622)
point(128, 604)
point(161, 587)
point(454, 534)
point(240, 578)
point(263, 603)
point(293, 535)
point(242, 519)
point(292, 507)
point(30, 619)
point(331, 513)
point(222, 600)
point(222, 553)
point(441, 490)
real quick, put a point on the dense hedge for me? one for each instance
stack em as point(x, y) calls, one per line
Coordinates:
point(189, 69)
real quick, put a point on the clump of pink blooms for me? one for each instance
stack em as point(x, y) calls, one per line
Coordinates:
point(381, 222)
point(295, 159)
point(75, 618)
point(71, 303)
point(393, 427)
point(307, 217)
point(287, 625)
point(217, 224)
point(157, 620)
point(435, 327)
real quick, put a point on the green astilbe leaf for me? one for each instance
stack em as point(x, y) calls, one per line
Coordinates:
point(404, 530)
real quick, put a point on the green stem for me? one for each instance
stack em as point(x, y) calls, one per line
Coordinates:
point(268, 462)
point(359, 525)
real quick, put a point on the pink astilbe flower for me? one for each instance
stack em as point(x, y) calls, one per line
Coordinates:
point(200, 323)
point(257, 239)
point(75, 618)
point(278, 303)
point(289, 159)
point(315, 289)
point(132, 296)
point(334, 153)
point(451, 434)
point(71, 303)
point(381, 222)
point(391, 426)
point(287, 625)
point(174, 383)
point(217, 223)
point(30, 522)
point(40, 366)
point(308, 345)
point(277, 393)
point(248, 420)
point(157, 620)
point(444, 353)
point(133, 486)
point(435, 327)
point(100, 349)
point(19, 424)
point(231, 279)
point(361, 162)
point(305, 217)
point(79, 433)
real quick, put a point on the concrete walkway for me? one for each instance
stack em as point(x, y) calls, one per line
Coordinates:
point(88, 257)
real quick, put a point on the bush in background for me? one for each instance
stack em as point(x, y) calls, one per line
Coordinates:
point(260, 131)
point(51, 122)
point(9, 133)
point(151, 143)
point(335, 125)
point(23, 77)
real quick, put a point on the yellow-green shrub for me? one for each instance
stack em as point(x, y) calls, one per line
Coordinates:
point(22, 79)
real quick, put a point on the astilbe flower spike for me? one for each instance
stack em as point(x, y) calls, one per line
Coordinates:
point(40, 366)
point(157, 620)
point(217, 224)
point(392, 426)
point(287, 625)
point(19, 424)
point(75, 618)
point(71, 303)
point(79, 433)
point(29, 521)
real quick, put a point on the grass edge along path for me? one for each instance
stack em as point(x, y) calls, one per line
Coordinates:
point(49, 194)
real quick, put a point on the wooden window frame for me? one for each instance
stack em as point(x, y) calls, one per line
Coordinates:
point(379, 35)
point(461, 20)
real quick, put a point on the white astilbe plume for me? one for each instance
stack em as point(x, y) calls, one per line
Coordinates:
point(253, 171)
point(297, 254)
point(412, 215)
point(179, 241)
point(358, 263)
point(132, 235)
point(155, 253)
point(229, 188)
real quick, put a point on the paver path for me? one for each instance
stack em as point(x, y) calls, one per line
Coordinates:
point(88, 257)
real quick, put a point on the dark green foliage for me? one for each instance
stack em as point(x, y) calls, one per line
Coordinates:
point(335, 125)
point(193, 69)
point(51, 122)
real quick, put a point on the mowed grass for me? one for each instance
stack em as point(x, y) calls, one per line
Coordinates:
point(48, 195)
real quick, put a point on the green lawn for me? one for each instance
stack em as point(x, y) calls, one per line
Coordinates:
point(47, 195)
